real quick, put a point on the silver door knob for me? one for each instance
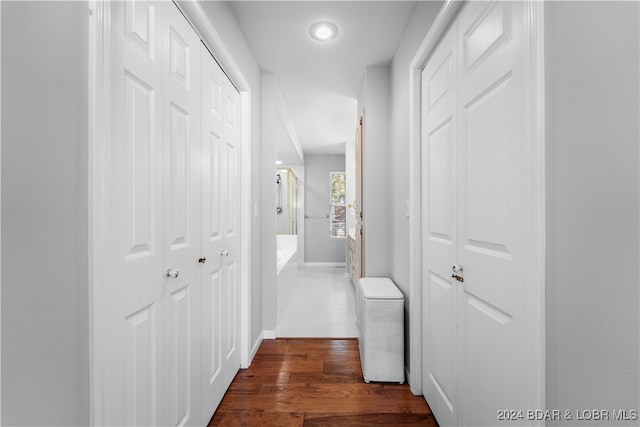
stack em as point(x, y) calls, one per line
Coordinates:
point(456, 268)
point(172, 272)
point(224, 253)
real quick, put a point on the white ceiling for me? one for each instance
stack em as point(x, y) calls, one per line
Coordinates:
point(320, 82)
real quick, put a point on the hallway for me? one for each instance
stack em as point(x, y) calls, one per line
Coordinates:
point(315, 382)
point(322, 303)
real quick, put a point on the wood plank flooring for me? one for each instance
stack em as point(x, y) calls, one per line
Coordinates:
point(313, 383)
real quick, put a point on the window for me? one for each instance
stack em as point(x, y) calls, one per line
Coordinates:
point(337, 206)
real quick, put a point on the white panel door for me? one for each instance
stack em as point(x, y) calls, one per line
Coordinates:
point(132, 333)
point(221, 239)
point(182, 236)
point(493, 223)
point(476, 203)
point(148, 323)
point(440, 290)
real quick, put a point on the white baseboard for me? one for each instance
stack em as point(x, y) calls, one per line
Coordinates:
point(416, 389)
point(269, 335)
point(325, 264)
point(255, 347)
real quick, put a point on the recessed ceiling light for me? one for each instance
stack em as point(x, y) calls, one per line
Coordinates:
point(278, 162)
point(323, 31)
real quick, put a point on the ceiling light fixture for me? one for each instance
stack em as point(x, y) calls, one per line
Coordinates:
point(323, 31)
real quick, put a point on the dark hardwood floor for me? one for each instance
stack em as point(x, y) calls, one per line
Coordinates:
point(315, 382)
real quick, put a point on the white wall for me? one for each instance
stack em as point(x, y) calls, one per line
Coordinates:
point(419, 24)
point(374, 101)
point(223, 20)
point(592, 89)
point(44, 213)
point(279, 138)
point(269, 259)
point(319, 247)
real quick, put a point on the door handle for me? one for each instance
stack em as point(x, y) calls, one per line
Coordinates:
point(224, 253)
point(172, 272)
point(457, 269)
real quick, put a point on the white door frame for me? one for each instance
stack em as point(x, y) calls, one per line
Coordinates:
point(536, 296)
point(98, 158)
point(0, 213)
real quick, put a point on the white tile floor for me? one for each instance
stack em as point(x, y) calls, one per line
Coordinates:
point(322, 304)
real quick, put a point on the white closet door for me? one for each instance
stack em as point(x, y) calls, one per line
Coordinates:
point(220, 210)
point(132, 332)
point(440, 291)
point(182, 235)
point(494, 234)
point(148, 324)
point(476, 203)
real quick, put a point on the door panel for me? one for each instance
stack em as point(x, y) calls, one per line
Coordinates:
point(182, 244)
point(140, 186)
point(150, 328)
point(132, 312)
point(440, 291)
point(230, 291)
point(181, 356)
point(485, 33)
point(231, 260)
point(493, 225)
point(140, 367)
point(221, 246)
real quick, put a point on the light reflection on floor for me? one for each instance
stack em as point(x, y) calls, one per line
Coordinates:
point(322, 304)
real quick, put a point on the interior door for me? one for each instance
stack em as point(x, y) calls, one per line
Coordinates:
point(477, 199)
point(148, 322)
point(493, 227)
point(134, 311)
point(220, 209)
point(181, 198)
point(440, 291)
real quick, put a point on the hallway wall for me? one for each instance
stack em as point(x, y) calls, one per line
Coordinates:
point(374, 103)
point(318, 246)
point(45, 323)
point(592, 290)
point(419, 24)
